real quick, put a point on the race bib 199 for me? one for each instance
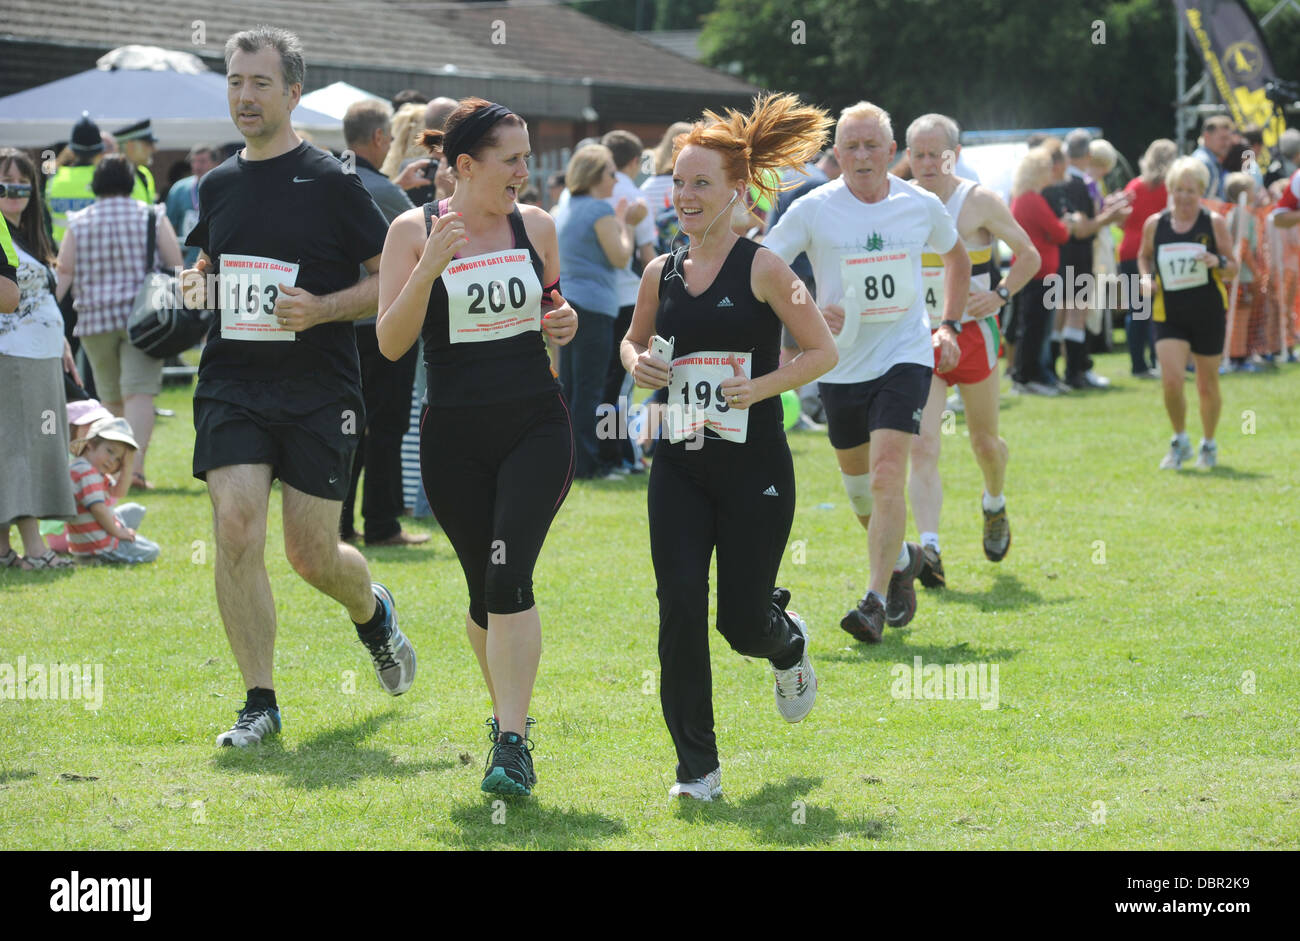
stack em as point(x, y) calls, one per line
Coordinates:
point(696, 400)
point(880, 285)
point(1181, 266)
point(492, 297)
point(249, 287)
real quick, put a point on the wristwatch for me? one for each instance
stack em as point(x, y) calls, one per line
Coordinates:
point(954, 325)
point(1002, 292)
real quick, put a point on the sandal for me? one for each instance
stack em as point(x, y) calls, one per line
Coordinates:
point(49, 560)
point(12, 560)
point(138, 482)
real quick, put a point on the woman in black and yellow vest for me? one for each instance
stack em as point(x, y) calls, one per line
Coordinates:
point(1186, 257)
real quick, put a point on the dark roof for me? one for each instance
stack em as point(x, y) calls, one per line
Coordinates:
point(553, 60)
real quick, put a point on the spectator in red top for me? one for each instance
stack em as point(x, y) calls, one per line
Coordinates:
point(1148, 197)
point(100, 531)
point(1048, 233)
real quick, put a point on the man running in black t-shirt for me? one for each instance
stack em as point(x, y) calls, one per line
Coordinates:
point(285, 231)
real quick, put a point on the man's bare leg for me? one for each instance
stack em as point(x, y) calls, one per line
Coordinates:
point(239, 495)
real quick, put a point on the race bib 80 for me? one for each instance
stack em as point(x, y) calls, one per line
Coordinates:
point(880, 285)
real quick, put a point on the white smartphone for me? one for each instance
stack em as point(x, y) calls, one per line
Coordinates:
point(662, 348)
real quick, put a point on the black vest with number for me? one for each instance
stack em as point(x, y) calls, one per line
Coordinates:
point(493, 371)
point(1208, 298)
point(726, 317)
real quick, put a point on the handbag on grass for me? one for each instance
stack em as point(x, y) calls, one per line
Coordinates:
point(160, 324)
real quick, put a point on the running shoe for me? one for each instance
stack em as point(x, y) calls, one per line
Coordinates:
point(1208, 456)
point(1041, 388)
point(866, 622)
point(701, 789)
point(1096, 381)
point(509, 768)
point(494, 728)
point(796, 688)
point(1178, 452)
point(932, 568)
point(392, 653)
point(254, 724)
point(900, 601)
point(997, 534)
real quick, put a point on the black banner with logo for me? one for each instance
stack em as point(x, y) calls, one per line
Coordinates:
point(1239, 63)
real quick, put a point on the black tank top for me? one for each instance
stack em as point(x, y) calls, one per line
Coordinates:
point(1208, 298)
point(488, 372)
point(726, 317)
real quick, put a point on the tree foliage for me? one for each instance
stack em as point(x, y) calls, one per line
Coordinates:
point(988, 63)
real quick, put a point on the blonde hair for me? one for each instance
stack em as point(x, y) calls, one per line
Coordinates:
point(1188, 166)
point(408, 125)
point(586, 167)
point(663, 152)
point(1103, 152)
point(1155, 162)
point(1033, 173)
point(1234, 184)
point(778, 132)
point(865, 109)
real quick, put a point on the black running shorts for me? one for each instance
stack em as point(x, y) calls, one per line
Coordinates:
point(309, 444)
point(1204, 330)
point(894, 401)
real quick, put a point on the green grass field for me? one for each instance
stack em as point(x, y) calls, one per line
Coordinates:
point(1143, 630)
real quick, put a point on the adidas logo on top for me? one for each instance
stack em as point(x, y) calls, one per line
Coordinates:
point(726, 302)
point(771, 491)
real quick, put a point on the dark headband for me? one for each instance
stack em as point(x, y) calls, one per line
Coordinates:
point(462, 138)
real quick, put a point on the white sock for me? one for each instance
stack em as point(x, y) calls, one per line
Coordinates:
point(1182, 437)
point(993, 504)
point(1208, 443)
point(1074, 333)
point(879, 596)
point(903, 558)
point(931, 540)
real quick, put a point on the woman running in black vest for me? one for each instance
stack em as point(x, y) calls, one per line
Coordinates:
point(722, 300)
point(477, 274)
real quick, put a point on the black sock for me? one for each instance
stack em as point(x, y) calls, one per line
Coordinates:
point(793, 653)
point(376, 620)
point(260, 696)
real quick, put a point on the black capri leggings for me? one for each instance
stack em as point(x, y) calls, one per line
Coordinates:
point(495, 476)
point(739, 498)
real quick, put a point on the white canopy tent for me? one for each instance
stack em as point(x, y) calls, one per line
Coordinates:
point(186, 106)
point(335, 99)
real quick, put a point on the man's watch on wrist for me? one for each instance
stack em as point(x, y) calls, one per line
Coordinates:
point(1002, 292)
point(953, 325)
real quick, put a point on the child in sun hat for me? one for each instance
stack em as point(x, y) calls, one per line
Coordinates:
point(98, 531)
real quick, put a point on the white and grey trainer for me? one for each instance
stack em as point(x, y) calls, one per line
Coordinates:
point(392, 653)
point(796, 688)
point(1208, 456)
point(252, 726)
point(706, 788)
point(1179, 451)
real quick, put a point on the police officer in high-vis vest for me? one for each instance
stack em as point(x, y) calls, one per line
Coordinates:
point(69, 189)
point(137, 143)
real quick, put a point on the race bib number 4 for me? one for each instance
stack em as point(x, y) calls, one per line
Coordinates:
point(932, 286)
point(1181, 266)
point(249, 287)
point(880, 285)
point(696, 400)
point(492, 297)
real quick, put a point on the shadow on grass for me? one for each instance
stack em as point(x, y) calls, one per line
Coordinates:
point(1228, 472)
point(524, 822)
point(896, 648)
point(20, 774)
point(333, 759)
point(15, 577)
point(780, 815)
point(1005, 594)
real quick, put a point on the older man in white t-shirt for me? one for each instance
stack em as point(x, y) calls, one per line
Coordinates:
point(626, 149)
point(865, 234)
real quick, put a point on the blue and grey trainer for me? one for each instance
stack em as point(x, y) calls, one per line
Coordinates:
point(254, 724)
point(392, 653)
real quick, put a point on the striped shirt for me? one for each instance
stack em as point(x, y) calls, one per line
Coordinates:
point(85, 535)
point(109, 268)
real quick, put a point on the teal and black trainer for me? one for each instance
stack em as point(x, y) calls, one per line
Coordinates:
point(254, 724)
point(510, 767)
